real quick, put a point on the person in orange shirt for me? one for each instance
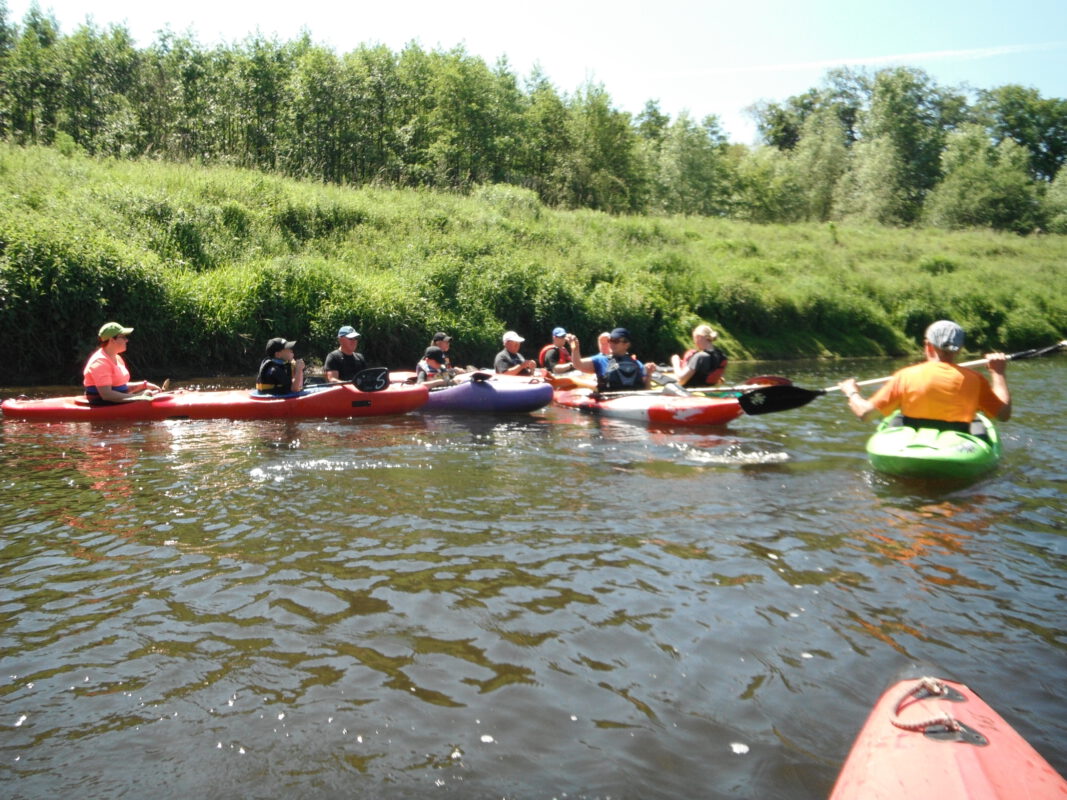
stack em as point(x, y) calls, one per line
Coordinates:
point(106, 378)
point(937, 393)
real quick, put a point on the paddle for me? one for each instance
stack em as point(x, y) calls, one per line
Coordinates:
point(371, 379)
point(754, 382)
point(770, 399)
point(751, 384)
point(668, 382)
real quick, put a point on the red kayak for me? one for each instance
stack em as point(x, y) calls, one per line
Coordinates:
point(338, 400)
point(933, 738)
point(652, 406)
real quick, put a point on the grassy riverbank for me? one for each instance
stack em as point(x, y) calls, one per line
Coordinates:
point(207, 264)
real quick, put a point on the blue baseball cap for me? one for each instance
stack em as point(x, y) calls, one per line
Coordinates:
point(621, 333)
point(347, 332)
point(559, 332)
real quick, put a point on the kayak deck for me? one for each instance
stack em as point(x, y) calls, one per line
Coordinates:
point(653, 407)
point(904, 451)
point(340, 400)
point(485, 393)
point(929, 737)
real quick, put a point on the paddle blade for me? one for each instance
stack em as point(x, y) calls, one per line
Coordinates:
point(372, 379)
point(770, 399)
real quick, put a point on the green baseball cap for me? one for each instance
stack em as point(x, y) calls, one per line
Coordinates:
point(109, 330)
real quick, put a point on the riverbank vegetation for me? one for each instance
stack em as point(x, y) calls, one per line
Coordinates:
point(208, 263)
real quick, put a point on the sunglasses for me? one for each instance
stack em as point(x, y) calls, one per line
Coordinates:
point(619, 340)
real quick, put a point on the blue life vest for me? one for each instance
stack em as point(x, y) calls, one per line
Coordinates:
point(621, 373)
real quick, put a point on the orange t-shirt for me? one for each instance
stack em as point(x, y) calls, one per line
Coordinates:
point(936, 390)
point(102, 371)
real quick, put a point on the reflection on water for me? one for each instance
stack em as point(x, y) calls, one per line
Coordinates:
point(543, 605)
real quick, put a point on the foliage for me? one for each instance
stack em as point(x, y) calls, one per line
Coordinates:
point(984, 186)
point(208, 263)
point(865, 146)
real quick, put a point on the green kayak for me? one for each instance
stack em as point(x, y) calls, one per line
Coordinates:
point(897, 449)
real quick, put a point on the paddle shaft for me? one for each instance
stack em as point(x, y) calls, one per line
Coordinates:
point(1032, 353)
point(770, 399)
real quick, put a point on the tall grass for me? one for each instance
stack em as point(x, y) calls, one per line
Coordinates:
point(207, 264)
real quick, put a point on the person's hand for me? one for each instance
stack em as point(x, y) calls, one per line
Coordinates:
point(848, 386)
point(996, 362)
point(298, 363)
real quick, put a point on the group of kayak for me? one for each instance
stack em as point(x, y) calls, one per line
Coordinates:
point(928, 445)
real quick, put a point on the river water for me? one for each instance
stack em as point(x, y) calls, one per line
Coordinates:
point(535, 606)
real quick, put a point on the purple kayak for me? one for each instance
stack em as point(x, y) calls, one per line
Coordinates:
point(483, 392)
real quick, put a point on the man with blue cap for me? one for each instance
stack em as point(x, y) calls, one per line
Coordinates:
point(556, 357)
point(618, 371)
point(937, 393)
point(343, 363)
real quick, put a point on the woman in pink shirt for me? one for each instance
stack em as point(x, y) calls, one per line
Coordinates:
point(106, 378)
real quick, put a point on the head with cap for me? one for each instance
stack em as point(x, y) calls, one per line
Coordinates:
point(348, 339)
point(512, 341)
point(109, 330)
point(442, 340)
point(277, 345)
point(945, 336)
point(435, 354)
point(705, 332)
point(619, 341)
point(559, 332)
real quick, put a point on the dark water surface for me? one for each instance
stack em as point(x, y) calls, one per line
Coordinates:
point(541, 606)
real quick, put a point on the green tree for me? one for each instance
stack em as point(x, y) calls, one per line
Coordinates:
point(766, 186)
point(35, 79)
point(1055, 204)
point(693, 175)
point(985, 185)
point(652, 123)
point(319, 116)
point(897, 160)
point(546, 140)
point(604, 170)
point(371, 74)
point(99, 72)
point(463, 145)
point(1037, 124)
point(819, 161)
point(8, 36)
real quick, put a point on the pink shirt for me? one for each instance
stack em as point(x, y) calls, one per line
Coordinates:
point(102, 371)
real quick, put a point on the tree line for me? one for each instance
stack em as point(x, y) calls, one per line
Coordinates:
point(890, 146)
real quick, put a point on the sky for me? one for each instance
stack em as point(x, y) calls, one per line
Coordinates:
point(702, 57)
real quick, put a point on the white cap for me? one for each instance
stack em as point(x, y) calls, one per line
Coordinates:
point(511, 336)
point(945, 335)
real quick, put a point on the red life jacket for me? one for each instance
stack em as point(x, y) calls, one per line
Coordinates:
point(564, 354)
point(715, 375)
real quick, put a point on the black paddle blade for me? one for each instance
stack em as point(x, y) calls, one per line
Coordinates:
point(372, 379)
point(770, 399)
